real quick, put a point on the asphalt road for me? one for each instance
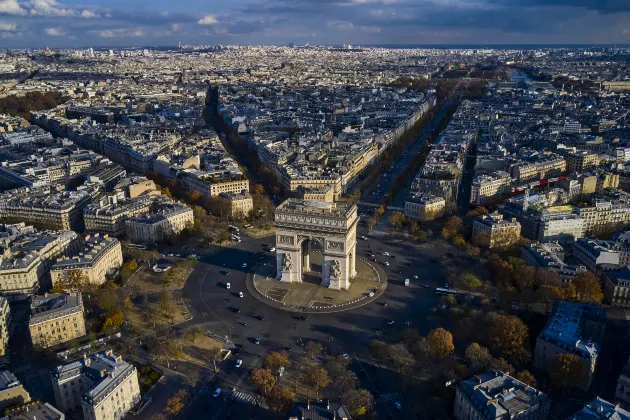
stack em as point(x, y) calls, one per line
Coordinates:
point(223, 312)
point(378, 189)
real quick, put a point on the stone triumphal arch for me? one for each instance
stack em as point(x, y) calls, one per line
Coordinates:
point(334, 226)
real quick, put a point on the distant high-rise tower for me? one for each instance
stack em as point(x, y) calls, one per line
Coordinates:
point(179, 45)
point(91, 52)
point(291, 45)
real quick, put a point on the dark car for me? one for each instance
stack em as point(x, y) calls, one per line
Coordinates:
point(302, 318)
point(260, 317)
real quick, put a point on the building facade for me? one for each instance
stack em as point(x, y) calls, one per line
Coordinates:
point(56, 318)
point(5, 325)
point(575, 328)
point(491, 231)
point(101, 386)
point(166, 219)
point(424, 207)
point(101, 255)
point(240, 204)
point(11, 391)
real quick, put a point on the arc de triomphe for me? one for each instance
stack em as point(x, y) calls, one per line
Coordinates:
point(333, 225)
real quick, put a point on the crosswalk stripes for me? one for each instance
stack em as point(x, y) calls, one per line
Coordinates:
point(22, 368)
point(386, 397)
point(243, 397)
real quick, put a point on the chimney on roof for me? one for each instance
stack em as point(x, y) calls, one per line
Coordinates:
point(308, 404)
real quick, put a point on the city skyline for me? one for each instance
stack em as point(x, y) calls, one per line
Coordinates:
point(73, 23)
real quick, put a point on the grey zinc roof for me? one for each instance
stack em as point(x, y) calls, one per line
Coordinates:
point(47, 307)
point(7, 380)
point(104, 370)
point(497, 394)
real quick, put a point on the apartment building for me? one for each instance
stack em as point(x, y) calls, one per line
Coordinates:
point(424, 207)
point(33, 410)
point(101, 386)
point(596, 255)
point(209, 186)
point(46, 207)
point(490, 230)
point(166, 218)
point(99, 256)
point(56, 318)
point(622, 392)
point(496, 396)
point(5, 325)
point(26, 261)
point(488, 186)
point(545, 167)
point(550, 256)
point(604, 214)
point(240, 204)
point(108, 215)
point(575, 328)
point(599, 409)
point(581, 160)
point(12, 392)
point(617, 287)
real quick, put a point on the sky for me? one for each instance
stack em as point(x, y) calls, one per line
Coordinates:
point(111, 23)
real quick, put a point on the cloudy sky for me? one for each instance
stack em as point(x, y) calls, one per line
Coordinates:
point(69, 23)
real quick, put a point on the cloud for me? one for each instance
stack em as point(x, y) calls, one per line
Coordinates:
point(88, 14)
point(175, 27)
point(8, 26)
point(117, 33)
point(48, 8)
point(11, 7)
point(208, 20)
point(55, 32)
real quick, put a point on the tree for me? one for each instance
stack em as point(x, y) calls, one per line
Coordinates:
point(318, 378)
point(446, 234)
point(313, 349)
point(507, 334)
point(588, 288)
point(358, 402)
point(379, 211)
point(378, 350)
point(399, 356)
point(113, 319)
point(459, 241)
point(501, 364)
point(193, 333)
point(453, 224)
point(165, 301)
point(566, 370)
point(371, 222)
point(478, 358)
point(526, 377)
point(191, 379)
point(175, 403)
point(132, 265)
point(127, 304)
point(412, 339)
point(439, 343)
point(280, 399)
point(108, 300)
point(263, 379)
point(337, 366)
point(545, 276)
point(471, 282)
point(344, 382)
point(275, 360)
point(524, 277)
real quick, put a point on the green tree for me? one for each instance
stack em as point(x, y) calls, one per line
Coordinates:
point(378, 350)
point(108, 300)
point(470, 281)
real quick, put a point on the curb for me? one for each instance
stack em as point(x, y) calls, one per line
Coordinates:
point(346, 306)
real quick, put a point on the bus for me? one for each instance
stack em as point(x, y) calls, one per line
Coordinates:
point(232, 228)
point(441, 291)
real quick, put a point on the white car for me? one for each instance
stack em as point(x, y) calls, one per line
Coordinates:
point(364, 238)
point(386, 263)
point(244, 265)
point(227, 285)
point(386, 254)
point(415, 276)
point(217, 392)
point(257, 340)
point(240, 294)
point(345, 356)
point(239, 362)
point(272, 249)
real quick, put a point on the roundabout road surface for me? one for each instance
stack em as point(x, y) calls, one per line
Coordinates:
point(220, 309)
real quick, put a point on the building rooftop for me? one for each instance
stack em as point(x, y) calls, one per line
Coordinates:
point(498, 395)
point(315, 207)
point(35, 410)
point(599, 409)
point(8, 380)
point(564, 328)
point(104, 370)
point(51, 306)
point(94, 248)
